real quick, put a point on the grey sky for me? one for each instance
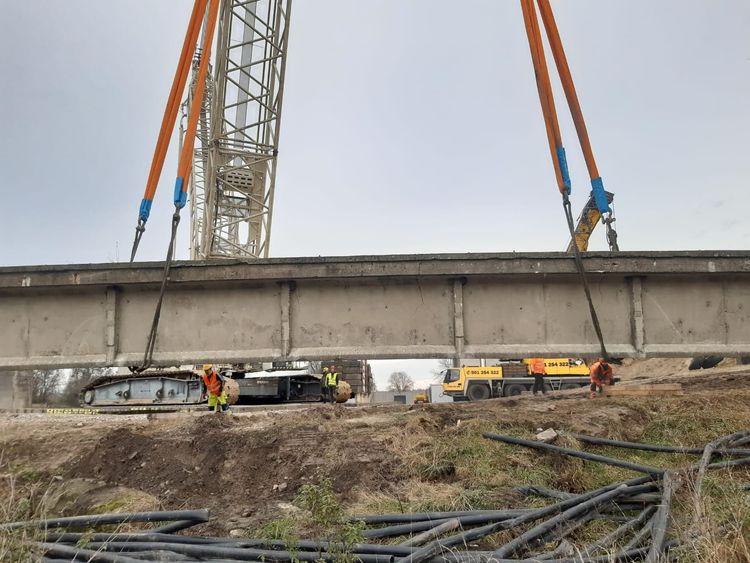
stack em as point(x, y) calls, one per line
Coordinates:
point(408, 126)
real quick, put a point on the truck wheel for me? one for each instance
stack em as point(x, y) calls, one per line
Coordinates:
point(478, 392)
point(513, 390)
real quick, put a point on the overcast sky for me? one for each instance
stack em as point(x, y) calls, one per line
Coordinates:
point(408, 126)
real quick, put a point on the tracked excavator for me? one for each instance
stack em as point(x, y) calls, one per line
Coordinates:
point(184, 388)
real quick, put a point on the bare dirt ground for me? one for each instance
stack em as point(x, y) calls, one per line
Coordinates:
point(248, 469)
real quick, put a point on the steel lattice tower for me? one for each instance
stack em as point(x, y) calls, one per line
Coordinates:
point(234, 162)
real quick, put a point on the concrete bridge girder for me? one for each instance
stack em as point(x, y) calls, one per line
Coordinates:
point(414, 306)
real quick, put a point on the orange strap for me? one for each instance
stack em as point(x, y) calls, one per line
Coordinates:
point(544, 87)
point(558, 53)
point(173, 102)
point(186, 156)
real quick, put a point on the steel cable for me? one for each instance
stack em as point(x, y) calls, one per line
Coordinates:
point(582, 274)
point(151, 343)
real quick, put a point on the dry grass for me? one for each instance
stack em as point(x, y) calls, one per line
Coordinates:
point(24, 495)
point(451, 467)
point(724, 533)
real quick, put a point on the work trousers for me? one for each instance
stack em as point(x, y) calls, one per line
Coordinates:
point(332, 393)
point(539, 383)
point(217, 402)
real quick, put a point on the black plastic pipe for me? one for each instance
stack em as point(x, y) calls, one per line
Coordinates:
point(741, 441)
point(468, 520)
point(548, 525)
point(651, 447)
point(729, 463)
point(112, 518)
point(574, 453)
point(615, 535)
point(71, 537)
point(637, 485)
point(162, 556)
point(302, 545)
point(78, 554)
point(432, 533)
point(565, 529)
point(487, 557)
point(320, 545)
point(402, 529)
point(638, 538)
point(406, 517)
point(544, 492)
point(434, 547)
point(241, 554)
point(173, 527)
point(661, 518)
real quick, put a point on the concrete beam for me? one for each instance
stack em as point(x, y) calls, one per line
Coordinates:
point(414, 306)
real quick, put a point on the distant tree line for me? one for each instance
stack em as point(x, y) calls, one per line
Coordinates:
point(56, 387)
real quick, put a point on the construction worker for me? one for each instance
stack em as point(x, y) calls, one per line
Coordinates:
point(538, 370)
point(324, 384)
point(332, 381)
point(601, 375)
point(214, 384)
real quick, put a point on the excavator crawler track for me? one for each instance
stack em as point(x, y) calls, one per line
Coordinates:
point(152, 388)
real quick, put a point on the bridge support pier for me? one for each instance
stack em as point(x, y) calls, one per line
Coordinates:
point(15, 389)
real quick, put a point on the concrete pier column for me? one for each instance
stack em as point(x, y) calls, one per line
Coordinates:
point(15, 389)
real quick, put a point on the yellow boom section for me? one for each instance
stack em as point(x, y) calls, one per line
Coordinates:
point(587, 222)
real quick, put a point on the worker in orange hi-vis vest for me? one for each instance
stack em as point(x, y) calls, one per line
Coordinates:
point(601, 375)
point(538, 370)
point(214, 384)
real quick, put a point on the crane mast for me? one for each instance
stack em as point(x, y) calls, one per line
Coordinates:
point(233, 175)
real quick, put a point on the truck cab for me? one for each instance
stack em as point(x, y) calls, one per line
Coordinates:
point(474, 383)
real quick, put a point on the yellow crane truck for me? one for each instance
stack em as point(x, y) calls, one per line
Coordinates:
point(474, 383)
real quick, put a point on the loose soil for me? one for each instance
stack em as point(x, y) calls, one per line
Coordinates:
point(247, 469)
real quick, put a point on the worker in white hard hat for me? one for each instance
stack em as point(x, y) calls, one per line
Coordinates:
point(214, 384)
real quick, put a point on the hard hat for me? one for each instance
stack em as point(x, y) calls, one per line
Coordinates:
point(325, 369)
point(208, 367)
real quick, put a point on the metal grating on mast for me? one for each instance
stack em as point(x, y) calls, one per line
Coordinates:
point(234, 165)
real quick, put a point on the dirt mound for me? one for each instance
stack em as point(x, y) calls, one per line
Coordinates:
point(662, 367)
point(233, 465)
point(653, 367)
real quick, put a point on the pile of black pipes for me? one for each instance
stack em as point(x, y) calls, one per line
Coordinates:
point(638, 508)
